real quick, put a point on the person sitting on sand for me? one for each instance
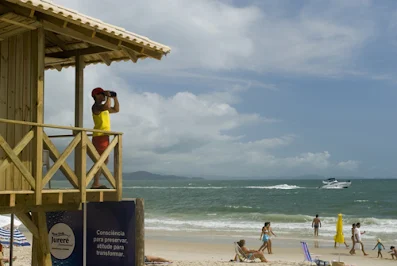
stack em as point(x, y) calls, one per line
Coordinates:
point(379, 245)
point(155, 259)
point(393, 252)
point(250, 252)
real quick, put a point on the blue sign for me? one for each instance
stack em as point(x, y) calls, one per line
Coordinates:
point(111, 233)
point(66, 237)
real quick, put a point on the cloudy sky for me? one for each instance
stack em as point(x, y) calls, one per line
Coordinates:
point(250, 89)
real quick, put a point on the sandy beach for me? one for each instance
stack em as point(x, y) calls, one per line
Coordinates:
point(202, 250)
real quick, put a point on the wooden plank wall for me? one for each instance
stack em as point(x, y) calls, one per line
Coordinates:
point(17, 86)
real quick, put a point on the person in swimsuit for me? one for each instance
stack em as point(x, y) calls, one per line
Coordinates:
point(316, 224)
point(379, 245)
point(353, 251)
point(264, 237)
point(269, 241)
point(101, 116)
point(250, 252)
point(357, 236)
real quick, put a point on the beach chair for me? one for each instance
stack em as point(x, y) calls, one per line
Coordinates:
point(241, 256)
point(308, 256)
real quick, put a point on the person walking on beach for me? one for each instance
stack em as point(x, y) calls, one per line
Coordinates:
point(269, 241)
point(379, 245)
point(357, 235)
point(316, 224)
point(353, 251)
point(100, 114)
point(264, 237)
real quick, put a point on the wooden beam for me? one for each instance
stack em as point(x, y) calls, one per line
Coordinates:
point(39, 115)
point(16, 31)
point(45, 208)
point(80, 36)
point(65, 168)
point(11, 121)
point(8, 18)
point(21, 167)
point(26, 219)
point(61, 159)
point(105, 58)
point(100, 162)
point(118, 168)
point(131, 53)
point(139, 232)
point(79, 91)
point(82, 169)
point(142, 50)
point(54, 39)
point(18, 149)
point(43, 255)
point(84, 51)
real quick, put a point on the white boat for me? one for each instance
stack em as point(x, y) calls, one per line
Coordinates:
point(333, 183)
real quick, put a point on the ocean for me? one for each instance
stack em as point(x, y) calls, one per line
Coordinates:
point(240, 208)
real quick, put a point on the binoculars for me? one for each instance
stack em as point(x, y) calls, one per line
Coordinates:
point(112, 93)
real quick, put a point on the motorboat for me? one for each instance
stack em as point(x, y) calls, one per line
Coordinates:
point(333, 183)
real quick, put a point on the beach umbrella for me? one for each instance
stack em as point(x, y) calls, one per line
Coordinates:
point(19, 238)
point(339, 238)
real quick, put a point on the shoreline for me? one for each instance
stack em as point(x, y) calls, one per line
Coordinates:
point(217, 249)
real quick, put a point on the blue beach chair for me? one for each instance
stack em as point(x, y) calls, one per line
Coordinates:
point(308, 256)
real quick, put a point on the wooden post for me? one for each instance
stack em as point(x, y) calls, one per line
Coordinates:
point(118, 167)
point(79, 169)
point(81, 149)
point(139, 232)
point(38, 64)
point(42, 246)
point(79, 91)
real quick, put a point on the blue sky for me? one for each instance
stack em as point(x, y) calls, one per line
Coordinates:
point(251, 88)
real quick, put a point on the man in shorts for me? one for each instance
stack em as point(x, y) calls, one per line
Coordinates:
point(101, 110)
point(316, 224)
point(357, 236)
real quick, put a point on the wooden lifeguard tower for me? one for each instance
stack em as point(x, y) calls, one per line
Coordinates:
point(37, 35)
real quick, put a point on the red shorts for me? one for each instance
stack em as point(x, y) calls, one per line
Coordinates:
point(100, 143)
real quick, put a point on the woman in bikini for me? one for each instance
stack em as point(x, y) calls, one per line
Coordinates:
point(264, 237)
point(269, 241)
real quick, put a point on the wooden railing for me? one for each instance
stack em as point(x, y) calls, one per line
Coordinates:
point(79, 178)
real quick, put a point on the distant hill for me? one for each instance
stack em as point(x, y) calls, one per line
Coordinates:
point(143, 175)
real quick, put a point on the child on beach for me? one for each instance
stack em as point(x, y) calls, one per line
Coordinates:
point(393, 252)
point(380, 246)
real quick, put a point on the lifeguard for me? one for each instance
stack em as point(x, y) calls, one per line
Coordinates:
point(101, 110)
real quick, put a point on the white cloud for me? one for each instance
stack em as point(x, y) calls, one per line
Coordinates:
point(183, 133)
point(215, 35)
point(349, 165)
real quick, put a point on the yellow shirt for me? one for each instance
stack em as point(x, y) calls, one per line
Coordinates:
point(102, 122)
